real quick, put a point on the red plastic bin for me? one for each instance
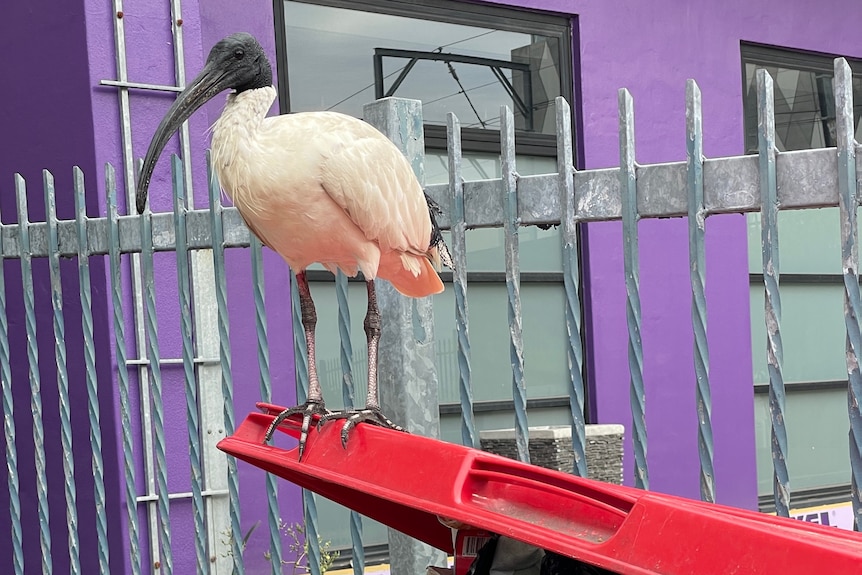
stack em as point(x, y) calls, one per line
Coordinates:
point(406, 481)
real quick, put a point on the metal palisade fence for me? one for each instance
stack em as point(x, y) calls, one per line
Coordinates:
point(695, 188)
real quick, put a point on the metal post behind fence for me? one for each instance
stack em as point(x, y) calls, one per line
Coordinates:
point(407, 376)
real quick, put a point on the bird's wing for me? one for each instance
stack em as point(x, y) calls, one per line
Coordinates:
point(252, 228)
point(372, 181)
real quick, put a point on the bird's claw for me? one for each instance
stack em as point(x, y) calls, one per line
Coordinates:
point(351, 417)
point(308, 410)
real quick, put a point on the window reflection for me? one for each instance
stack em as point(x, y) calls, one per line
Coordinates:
point(331, 66)
point(804, 107)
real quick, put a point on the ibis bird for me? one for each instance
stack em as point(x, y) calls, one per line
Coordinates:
point(314, 187)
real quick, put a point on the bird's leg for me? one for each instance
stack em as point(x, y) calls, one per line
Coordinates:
point(314, 402)
point(371, 413)
point(372, 334)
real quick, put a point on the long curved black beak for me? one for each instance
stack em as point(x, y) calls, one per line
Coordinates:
point(203, 88)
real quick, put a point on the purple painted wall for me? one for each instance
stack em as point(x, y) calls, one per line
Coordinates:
point(45, 119)
point(651, 49)
point(150, 60)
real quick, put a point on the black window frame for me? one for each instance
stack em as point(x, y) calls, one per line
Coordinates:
point(465, 13)
point(765, 55)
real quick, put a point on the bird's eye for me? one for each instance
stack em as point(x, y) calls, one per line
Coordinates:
point(238, 54)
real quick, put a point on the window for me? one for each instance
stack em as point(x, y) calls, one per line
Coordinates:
point(812, 322)
point(455, 57)
point(469, 59)
point(804, 104)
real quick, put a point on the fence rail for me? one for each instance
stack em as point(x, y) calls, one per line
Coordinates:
point(695, 188)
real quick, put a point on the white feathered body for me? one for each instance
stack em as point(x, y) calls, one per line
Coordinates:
point(325, 187)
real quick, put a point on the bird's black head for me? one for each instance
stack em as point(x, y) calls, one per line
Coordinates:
point(237, 62)
point(240, 62)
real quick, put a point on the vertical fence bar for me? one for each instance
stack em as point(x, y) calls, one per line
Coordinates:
point(90, 365)
point(348, 397)
point(6, 399)
point(848, 202)
point(258, 288)
point(571, 280)
point(628, 189)
point(59, 324)
point(771, 277)
point(309, 504)
point(469, 437)
point(348, 392)
point(513, 279)
point(192, 416)
point(122, 369)
point(35, 381)
point(165, 563)
point(697, 269)
point(225, 360)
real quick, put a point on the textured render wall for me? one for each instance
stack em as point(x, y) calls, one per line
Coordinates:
point(46, 119)
point(220, 18)
point(150, 60)
point(652, 48)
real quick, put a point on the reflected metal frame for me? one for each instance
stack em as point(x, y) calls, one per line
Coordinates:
point(511, 19)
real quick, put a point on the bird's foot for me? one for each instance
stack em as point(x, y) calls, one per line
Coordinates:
point(308, 410)
point(371, 415)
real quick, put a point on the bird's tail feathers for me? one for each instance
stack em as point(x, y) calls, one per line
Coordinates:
point(413, 276)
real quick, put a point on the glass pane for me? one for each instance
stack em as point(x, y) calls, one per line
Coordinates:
point(476, 166)
point(544, 331)
point(817, 426)
point(544, 334)
point(810, 242)
point(331, 66)
point(812, 332)
point(804, 107)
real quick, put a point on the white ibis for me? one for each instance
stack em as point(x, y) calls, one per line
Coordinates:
point(315, 187)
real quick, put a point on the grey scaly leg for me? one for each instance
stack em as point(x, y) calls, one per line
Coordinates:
point(314, 403)
point(371, 413)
